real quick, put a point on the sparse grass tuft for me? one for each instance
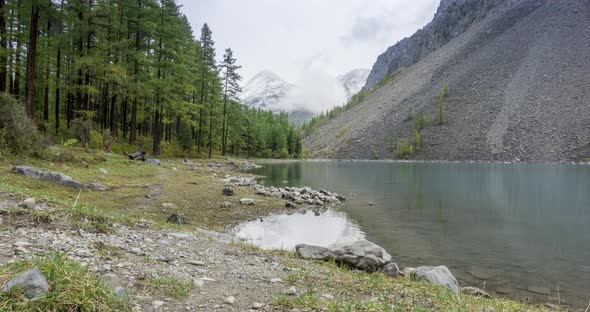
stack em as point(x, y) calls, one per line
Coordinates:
point(173, 287)
point(72, 288)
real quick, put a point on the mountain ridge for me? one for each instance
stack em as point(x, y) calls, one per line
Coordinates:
point(517, 92)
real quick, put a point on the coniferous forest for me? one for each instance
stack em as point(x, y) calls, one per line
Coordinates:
point(121, 74)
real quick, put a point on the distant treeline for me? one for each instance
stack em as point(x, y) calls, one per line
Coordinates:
point(131, 71)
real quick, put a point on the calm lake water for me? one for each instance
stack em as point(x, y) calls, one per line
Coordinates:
point(518, 229)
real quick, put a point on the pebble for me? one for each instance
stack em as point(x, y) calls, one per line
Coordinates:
point(22, 244)
point(157, 304)
point(196, 263)
point(275, 280)
point(230, 300)
point(257, 305)
point(29, 203)
point(207, 279)
point(169, 206)
point(137, 251)
point(198, 283)
point(292, 291)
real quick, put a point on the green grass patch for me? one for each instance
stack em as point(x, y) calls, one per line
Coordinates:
point(353, 290)
point(71, 288)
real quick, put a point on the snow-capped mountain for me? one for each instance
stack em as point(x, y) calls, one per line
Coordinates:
point(266, 91)
point(354, 81)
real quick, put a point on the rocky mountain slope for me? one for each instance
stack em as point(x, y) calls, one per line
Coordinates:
point(353, 81)
point(518, 82)
point(452, 18)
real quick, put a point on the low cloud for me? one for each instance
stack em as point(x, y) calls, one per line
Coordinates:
point(316, 91)
point(368, 29)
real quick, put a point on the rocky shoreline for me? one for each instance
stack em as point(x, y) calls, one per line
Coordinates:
point(148, 262)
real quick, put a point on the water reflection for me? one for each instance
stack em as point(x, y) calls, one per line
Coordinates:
point(514, 227)
point(286, 231)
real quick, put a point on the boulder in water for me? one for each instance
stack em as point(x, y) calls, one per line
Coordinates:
point(439, 275)
point(362, 255)
point(313, 252)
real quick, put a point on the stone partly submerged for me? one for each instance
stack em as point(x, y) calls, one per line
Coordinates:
point(439, 275)
point(32, 282)
point(314, 252)
point(362, 255)
point(367, 256)
point(55, 177)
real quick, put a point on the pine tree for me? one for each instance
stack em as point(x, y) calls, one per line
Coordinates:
point(231, 80)
point(207, 64)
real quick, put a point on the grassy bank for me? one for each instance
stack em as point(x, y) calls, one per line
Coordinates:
point(137, 190)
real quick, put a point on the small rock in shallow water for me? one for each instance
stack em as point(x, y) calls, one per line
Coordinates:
point(439, 275)
point(390, 269)
point(32, 281)
point(226, 205)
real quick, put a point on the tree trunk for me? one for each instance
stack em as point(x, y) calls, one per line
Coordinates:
point(133, 133)
point(3, 45)
point(31, 59)
point(114, 116)
point(124, 116)
point(157, 132)
point(211, 127)
point(57, 82)
point(17, 56)
point(223, 123)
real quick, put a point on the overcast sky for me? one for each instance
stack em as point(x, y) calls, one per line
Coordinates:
point(290, 37)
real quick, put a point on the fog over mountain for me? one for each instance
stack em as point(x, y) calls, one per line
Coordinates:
point(317, 92)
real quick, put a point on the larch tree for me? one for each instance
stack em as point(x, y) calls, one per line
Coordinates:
point(231, 88)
